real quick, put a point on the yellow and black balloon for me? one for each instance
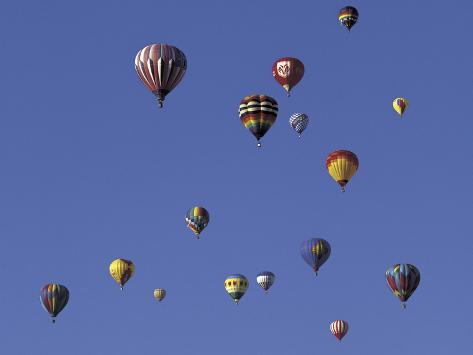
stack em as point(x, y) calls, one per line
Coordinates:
point(236, 286)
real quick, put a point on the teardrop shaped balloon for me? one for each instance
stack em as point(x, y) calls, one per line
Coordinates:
point(54, 298)
point(122, 270)
point(197, 218)
point(342, 165)
point(400, 104)
point(265, 279)
point(258, 113)
point(288, 72)
point(299, 122)
point(236, 286)
point(160, 67)
point(339, 328)
point(315, 252)
point(403, 280)
point(348, 16)
point(159, 294)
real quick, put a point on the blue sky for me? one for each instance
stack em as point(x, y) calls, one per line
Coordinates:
point(92, 170)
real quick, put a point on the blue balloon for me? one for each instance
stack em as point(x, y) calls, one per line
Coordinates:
point(315, 252)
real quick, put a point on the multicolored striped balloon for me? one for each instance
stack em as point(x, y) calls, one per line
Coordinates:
point(315, 252)
point(265, 279)
point(236, 286)
point(299, 122)
point(288, 72)
point(159, 294)
point(339, 328)
point(348, 16)
point(160, 67)
point(258, 113)
point(400, 104)
point(197, 218)
point(342, 165)
point(122, 270)
point(403, 280)
point(54, 298)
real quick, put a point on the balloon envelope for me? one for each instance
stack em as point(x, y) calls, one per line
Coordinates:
point(348, 16)
point(236, 286)
point(54, 298)
point(339, 328)
point(315, 252)
point(161, 68)
point(403, 280)
point(159, 294)
point(400, 104)
point(342, 165)
point(288, 72)
point(197, 218)
point(258, 113)
point(122, 270)
point(265, 279)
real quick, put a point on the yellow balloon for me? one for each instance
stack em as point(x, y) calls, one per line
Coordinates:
point(159, 294)
point(400, 104)
point(342, 165)
point(122, 270)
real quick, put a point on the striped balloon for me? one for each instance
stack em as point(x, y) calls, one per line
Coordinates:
point(54, 298)
point(299, 122)
point(122, 270)
point(403, 280)
point(339, 328)
point(315, 252)
point(265, 279)
point(236, 286)
point(197, 218)
point(159, 294)
point(348, 16)
point(160, 67)
point(258, 113)
point(342, 165)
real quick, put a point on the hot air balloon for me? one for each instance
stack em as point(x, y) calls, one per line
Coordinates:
point(54, 298)
point(236, 286)
point(161, 67)
point(258, 113)
point(315, 252)
point(288, 72)
point(122, 270)
point(197, 218)
point(403, 280)
point(339, 328)
point(348, 17)
point(265, 279)
point(342, 165)
point(299, 122)
point(159, 294)
point(400, 104)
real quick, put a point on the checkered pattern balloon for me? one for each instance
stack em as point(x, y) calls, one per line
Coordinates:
point(299, 122)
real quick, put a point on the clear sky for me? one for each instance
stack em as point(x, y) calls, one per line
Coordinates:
point(92, 170)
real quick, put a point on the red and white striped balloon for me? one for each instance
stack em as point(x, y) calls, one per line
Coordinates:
point(339, 328)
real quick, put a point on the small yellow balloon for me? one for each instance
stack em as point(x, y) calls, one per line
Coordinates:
point(159, 294)
point(400, 104)
point(122, 270)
